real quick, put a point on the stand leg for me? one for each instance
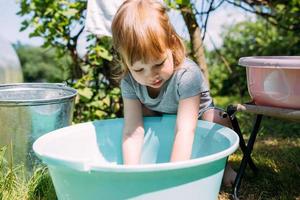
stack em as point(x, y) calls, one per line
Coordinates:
point(235, 125)
point(246, 157)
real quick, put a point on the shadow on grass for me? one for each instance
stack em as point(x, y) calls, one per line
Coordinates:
point(270, 126)
point(277, 158)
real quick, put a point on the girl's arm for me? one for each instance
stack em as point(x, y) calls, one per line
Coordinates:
point(133, 131)
point(187, 117)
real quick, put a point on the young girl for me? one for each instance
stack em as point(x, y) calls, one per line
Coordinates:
point(158, 78)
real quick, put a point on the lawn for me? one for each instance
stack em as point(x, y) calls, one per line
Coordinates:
point(276, 154)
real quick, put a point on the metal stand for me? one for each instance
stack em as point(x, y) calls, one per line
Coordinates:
point(247, 149)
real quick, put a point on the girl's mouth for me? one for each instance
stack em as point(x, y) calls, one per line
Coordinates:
point(156, 83)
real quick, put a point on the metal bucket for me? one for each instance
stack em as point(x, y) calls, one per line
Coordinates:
point(29, 110)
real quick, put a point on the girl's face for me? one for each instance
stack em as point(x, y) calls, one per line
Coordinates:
point(155, 73)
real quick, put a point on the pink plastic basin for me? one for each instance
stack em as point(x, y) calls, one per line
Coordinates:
point(273, 80)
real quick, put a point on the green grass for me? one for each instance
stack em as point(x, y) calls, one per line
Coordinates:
point(276, 153)
point(16, 185)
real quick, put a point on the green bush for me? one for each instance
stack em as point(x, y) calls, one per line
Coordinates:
point(42, 65)
point(246, 39)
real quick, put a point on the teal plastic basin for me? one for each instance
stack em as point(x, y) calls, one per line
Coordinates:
point(85, 161)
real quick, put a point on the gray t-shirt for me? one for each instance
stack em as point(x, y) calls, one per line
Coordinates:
point(187, 81)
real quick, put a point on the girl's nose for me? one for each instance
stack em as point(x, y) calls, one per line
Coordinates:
point(151, 73)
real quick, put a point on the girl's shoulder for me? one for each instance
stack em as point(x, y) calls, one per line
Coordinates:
point(188, 66)
point(190, 80)
point(128, 80)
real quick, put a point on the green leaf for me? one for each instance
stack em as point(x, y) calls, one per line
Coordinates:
point(104, 53)
point(100, 114)
point(183, 2)
point(34, 34)
point(96, 104)
point(280, 7)
point(106, 100)
point(24, 26)
point(115, 91)
point(116, 107)
point(85, 93)
point(70, 12)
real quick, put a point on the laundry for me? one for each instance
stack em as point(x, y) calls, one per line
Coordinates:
point(100, 14)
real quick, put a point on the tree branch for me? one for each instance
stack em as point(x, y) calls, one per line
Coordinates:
point(206, 19)
point(268, 16)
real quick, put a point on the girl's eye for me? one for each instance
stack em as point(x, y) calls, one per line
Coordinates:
point(160, 64)
point(139, 70)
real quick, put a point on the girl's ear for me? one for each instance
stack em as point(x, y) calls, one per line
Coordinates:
point(173, 38)
point(172, 42)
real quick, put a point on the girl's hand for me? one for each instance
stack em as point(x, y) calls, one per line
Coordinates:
point(133, 131)
point(186, 122)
